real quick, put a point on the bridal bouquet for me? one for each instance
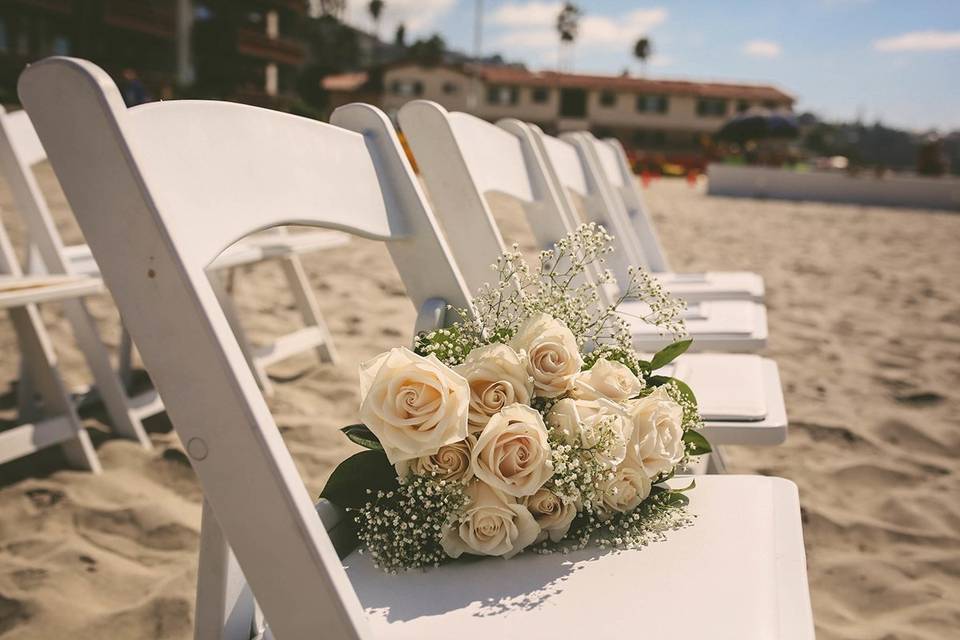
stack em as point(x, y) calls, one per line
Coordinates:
point(527, 423)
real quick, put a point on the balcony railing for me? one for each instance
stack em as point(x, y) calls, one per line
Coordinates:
point(134, 16)
point(258, 45)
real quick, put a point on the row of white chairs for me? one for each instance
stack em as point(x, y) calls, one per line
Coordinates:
point(162, 190)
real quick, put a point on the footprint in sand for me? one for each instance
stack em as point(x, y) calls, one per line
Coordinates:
point(12, 613)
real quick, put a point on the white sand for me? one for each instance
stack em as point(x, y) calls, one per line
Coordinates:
point(864, 309)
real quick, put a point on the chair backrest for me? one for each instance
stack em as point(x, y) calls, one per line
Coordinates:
point(159, 191)
point(20, 151)
point(574, 169)
point(462, 159)
point(615, 168)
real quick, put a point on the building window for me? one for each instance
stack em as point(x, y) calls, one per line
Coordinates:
point(502, 95)
point(540, 95)
point(407, 88)
point(450, 88)
point(770, 104)
point(60, 46)
point(711, 107)
point(742, 105)
point(652, 104)
point(608, 99)
point(573, 103)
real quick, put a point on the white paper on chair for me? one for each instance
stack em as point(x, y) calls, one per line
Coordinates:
point(729, 387)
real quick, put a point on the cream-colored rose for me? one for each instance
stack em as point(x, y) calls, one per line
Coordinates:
point(512, 453)
point(629, 486)
point(553, 357)
point(552, 515)
point(657, 439)
point(414, 405)
point(450, 462)
point(606, 379)
point(498, 377)
point(589, 423)
point(493, 524)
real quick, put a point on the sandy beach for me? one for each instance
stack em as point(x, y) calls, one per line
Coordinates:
point(864, 313)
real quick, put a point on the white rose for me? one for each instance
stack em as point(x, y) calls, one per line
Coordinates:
point(585, 422)
point(627, 488)
point(498, 377)
point(552, 515)
point(414, 405)
point(450, 462)
point(493, 524)
point(606, 379)
point(553, 357)
point(657, 439)
point(512, 453)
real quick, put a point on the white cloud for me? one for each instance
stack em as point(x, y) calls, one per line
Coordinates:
point(762, 49)
point(920, 41)
point(661, 61)
point(419, 16)
point(532, 25)
point(530, 14)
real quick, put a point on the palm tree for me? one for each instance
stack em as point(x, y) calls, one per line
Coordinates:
point(642, 50)
point(568, 25)
point(376, 10)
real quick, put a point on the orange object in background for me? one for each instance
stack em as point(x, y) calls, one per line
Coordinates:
point(645, 178)
point(692, 177)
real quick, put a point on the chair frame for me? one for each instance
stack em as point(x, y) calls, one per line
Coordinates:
point(20, 151)
point(145, 163)
point(56, 422)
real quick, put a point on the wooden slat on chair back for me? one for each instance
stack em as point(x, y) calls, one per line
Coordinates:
point(158, 192)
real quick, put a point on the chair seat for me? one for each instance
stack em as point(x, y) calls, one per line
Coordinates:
point(715, 325)
point(738, 573)
point(17, 291)
point(739, 395)
point(714, 285)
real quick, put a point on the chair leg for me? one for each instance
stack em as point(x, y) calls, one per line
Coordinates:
point(307, 303)
point(717, 461)
point(125, 421)
point(217, 281)
point(125, 365)
point(26, 393)
point(226, 609)
point(53, 393)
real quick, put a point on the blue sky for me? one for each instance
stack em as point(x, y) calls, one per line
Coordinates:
point(893, 60)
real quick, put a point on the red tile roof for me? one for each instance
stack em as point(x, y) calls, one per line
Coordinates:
point(519, 76)
point(344, 81)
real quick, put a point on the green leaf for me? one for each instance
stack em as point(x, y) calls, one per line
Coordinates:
point(675, 499)
point(697, 445)
point(692, 485)
point(347, 487)
point(361, 435)
point(669, 353)
point(682, 387)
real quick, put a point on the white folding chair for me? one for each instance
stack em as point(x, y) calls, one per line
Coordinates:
point(21, 151)
point(614, 170)
point(463, 158)
point(722, 325)
point(133, 172)
point(56, 421)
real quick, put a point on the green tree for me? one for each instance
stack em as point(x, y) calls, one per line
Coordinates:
point(568, 26)
point(642, 51)
point(400, 37)
point(376, 11)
